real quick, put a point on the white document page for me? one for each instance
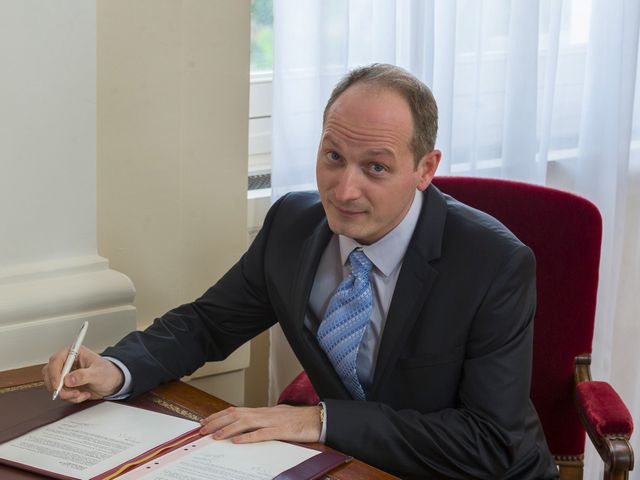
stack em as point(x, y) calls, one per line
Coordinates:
point(94, 440)
point(209, 459)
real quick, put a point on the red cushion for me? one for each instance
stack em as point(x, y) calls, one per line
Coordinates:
point(603, 409)
point(299, 392)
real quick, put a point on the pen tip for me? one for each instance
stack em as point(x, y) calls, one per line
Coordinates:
point(55, 395)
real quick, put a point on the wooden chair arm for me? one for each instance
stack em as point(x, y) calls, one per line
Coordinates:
point(606, 420)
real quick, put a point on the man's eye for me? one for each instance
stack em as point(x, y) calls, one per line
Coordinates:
point(377, 168)
point(333, 156)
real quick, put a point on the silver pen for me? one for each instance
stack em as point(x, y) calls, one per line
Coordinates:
point(71, 357)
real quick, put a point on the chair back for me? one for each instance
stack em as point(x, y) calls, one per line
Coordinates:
point(564, 231)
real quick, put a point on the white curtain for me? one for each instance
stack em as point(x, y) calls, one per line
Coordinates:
point(541, 91)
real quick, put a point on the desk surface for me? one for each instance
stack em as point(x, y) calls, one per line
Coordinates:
point(191, 402)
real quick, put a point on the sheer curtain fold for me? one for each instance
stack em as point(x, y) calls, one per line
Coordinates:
point(519, 142)
point(542, 91)
point(444, 77)
point(547, 96)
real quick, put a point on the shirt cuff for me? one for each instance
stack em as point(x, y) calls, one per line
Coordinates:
point(125, 391)
point(323, 432)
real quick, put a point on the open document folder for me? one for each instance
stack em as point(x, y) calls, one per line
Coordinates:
point(109, 440)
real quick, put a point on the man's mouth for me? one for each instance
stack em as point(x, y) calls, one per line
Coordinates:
point(348, 211)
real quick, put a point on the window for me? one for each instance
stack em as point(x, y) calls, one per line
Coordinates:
point(481, 67)
point(485, 61)
point(261, 36)
point(260, 94)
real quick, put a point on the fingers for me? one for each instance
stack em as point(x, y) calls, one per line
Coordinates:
point(81, 377)
point(223, 417)
point(262, 435)
point(257, 427)
point(215, 423)
point(75, 396)
point(51, 371)
point(96, 377)
point(241, 420)
point(246, 425)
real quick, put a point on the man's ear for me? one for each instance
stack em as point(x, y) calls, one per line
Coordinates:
point(427, 168)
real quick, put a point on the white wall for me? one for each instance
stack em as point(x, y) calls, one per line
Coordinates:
point(173, 88)
point(47, 123)
point(51, 278)
point(123, 127)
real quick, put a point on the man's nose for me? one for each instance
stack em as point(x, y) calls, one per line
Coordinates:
point(348, 187)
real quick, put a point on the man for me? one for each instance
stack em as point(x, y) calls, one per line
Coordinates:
point(422, 356)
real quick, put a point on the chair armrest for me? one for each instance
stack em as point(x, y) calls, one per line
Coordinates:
point(603, 410)
point(606, 419)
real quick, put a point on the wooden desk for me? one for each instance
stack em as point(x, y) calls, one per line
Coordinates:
point(191, 403)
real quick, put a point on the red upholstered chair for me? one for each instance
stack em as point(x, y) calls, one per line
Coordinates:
point(564, 232)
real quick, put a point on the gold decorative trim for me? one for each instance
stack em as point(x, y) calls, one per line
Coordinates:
point(176, 408)
point(569, 458)
point(25, 386)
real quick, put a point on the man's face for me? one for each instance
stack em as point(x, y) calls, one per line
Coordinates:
point(365, 168)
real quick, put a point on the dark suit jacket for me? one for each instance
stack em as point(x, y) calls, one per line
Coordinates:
point(450, 394)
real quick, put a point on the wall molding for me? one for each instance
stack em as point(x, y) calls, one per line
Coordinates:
point(43, 303)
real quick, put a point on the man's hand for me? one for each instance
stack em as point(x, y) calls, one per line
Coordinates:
point(248, 425)
point(95, 378)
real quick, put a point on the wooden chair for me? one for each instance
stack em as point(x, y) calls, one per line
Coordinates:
point(564, 231)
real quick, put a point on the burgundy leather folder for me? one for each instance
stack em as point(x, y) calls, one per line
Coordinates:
point(24, 410)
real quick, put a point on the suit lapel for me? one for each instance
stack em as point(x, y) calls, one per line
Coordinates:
point(414, 283)
point(310, 255)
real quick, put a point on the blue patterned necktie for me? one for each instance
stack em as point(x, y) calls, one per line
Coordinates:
point(345, 321)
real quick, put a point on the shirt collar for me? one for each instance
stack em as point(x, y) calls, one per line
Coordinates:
point(387, 253)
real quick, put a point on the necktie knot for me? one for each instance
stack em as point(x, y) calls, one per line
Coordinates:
point(360, 263)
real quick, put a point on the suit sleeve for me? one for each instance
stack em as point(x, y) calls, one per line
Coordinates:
point(480, 437)
point(228, 314)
